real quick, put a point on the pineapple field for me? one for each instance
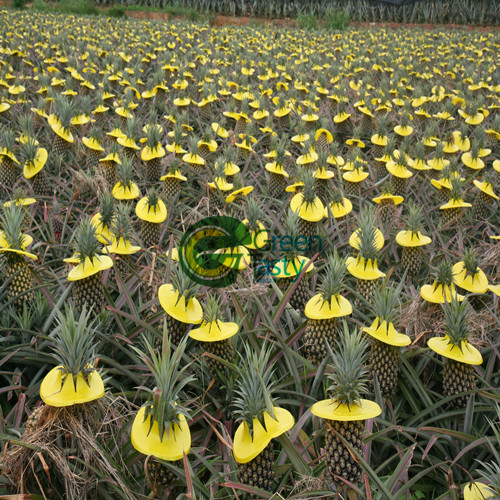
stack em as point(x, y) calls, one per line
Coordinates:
point(244, 262)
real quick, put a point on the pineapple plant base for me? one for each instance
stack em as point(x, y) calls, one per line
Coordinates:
point(381, 170)
point(92, 159)
point(411, 260)
point(124, 266)
point(89, 291)
point(386, 210)
point(223, 349)
point(153, 170)
point(72, 442)
point(150, 234)
point(399, 185)
point(259, 472)
point(384, 360)
point(277, 185)
point(339, 461)
point(307, 228)
point(300, 295)
point(60, 146)
point(318, 333)
point(451, 216)
point(8, 173)
point(352, 189)
point(482, 206)
point(159, 476)
point(458, 377)
point(108, 170)
point(20, 289)
point(171, 189)
point(366, 289)
point(176, 329)
point(41, 184)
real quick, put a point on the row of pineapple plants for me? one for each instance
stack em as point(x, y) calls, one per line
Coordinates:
point(103, 172)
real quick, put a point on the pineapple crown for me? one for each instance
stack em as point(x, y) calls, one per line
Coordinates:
point(474, 149)
point(356, 133)
point(456, 189)
point(349, 375)
point(186, 287)
point(131, 128)
point(29, 150)
point(253, 396)
point(308, 192)
point(220, 167)
point(439, 151)
point(387, 188)
point(178, 132)
point(107, 209)
point(323, 158)
point(207, 134)
point(174, 165)
point(382, 126)
point(430, 130)
point(385, 303)
point(281, 153)
point(471, 261)
point(335, 196)
point(125, 171)
point(64, 110)
point(390, 146)
point(405, 119)
point(12, 221)
point(331, 283)
point(230, 153)
point(26, 124)
point(153, 135)
point(414, 220)
point(455, 315)
point(87, 244)
point(193, 145)
point(121, 226)
point(94, 133)
point(366, 223)
point(419, 151)
point(168, 370)
point(212, 310)
point(8, 139)
point(253, 213)
point(153, 198)
point(443, 274)
point(74, 338)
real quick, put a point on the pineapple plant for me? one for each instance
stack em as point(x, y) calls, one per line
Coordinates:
point(380, 139)
point(460, 356)
point(171, 187)
point(121, 246)
point(103, 220)
point(353, 178)
point(125, 190)
point(60, 124)
point(277, 173)
point(364, 266)
point(345, 412)
point(412, 241)
point(88, 288)
point(35, 159)
point(443, 287)
point(153, 213)
point(13, 249)
point(323, 176)
point(152, 153)
point(94, 148)
point(288, 269)
point(9, 164)
point(178, 299)
point(323, 309)
point(128, 140)
point(260, 419)
point(400, 173)
point(215, 335)
point(468, 275)
point(384, 356)
point(453, 210)
point(323, 138)
point(387, 203)
point(342, 120)
point(482, 204)
point(107, 166)
point(160, 429)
